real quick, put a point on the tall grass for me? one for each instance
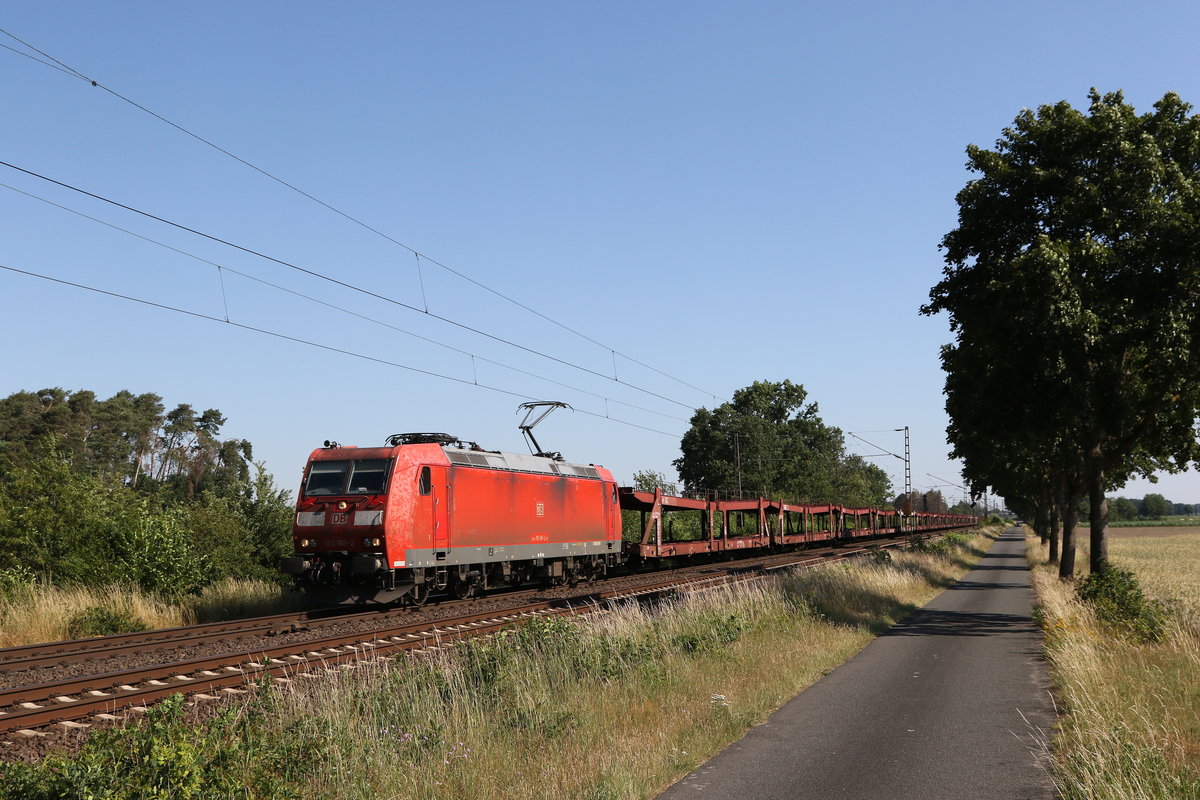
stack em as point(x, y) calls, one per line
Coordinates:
point(32, 612)
point(615, 705)
point(1130, 709)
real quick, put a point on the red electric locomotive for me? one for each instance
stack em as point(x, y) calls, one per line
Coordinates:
point(429, 512)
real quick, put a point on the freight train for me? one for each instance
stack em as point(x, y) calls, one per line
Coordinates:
point(430, 513)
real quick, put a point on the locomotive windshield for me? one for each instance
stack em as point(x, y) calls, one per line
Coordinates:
point(365, 476)
point(368, 476)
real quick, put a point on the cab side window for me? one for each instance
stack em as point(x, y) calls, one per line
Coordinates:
point(425, 484)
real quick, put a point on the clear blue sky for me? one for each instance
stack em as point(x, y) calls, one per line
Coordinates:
point(727, 192)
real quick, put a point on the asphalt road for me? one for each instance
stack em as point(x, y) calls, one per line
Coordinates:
point(948, 704)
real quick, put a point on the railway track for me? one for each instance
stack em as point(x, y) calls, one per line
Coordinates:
point(73, 651)
point(82, 701)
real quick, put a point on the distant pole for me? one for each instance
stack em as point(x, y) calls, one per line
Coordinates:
point(907, 470)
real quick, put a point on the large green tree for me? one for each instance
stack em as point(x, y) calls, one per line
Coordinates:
point(1122, 508)
point(93, 491)
point(1074, 275)
point(1155, 506)
point(770, 441)
point(128, 436)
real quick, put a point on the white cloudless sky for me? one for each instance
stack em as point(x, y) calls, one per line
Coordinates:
point(712, 193)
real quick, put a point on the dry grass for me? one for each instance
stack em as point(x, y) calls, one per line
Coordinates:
point(34, 613)
point(1130, 711)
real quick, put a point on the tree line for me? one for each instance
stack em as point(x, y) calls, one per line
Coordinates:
point(1072, 284)
point(96, 491)
point(1151, 506)
point(770, 441)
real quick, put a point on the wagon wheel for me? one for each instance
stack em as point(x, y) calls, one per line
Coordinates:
point(462, 589)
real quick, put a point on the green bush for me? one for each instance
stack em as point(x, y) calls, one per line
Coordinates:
point(158, 552)
point(101, 621)
point(710, 631)
point(15, 580)
point(235, 755)
point(65, 525)
point(881, 556)
point(941, 545)
point(1118, 600)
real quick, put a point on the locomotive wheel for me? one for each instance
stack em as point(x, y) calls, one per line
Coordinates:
point(462, 590)
point(419, 595)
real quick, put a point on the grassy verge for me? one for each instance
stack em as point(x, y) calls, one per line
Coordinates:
point(616, 705)
point(31, 612)
point(1130, 708)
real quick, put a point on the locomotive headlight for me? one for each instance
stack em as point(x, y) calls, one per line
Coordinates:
point(369, 542)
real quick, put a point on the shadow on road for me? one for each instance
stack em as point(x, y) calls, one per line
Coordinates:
point(928, 622)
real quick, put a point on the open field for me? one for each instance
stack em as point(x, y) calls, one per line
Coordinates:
point(1165, 522)
point(1130, 709)
point(610, 707)
point(1147, 530)
point(1169, 570)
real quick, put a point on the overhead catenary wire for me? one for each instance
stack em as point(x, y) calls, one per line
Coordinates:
point(311, 343)
point(877, 447)
point(222, 268)
point(70, 72)
point(339, 282)
point(63, 67)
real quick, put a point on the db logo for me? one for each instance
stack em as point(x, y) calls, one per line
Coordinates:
point(541, 509)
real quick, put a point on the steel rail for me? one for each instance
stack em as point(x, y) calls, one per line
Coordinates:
point(70, 651)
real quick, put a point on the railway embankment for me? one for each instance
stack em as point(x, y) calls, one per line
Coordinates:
point(616, 705)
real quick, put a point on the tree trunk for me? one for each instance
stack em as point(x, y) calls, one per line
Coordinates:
point(1054, 533)
point(1098, 510)
point(1070, 517)
point(1041, 522)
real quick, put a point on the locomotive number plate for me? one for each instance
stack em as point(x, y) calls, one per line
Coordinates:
point(340, 517)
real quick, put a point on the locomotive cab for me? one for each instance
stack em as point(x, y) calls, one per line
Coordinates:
point(338, 533)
